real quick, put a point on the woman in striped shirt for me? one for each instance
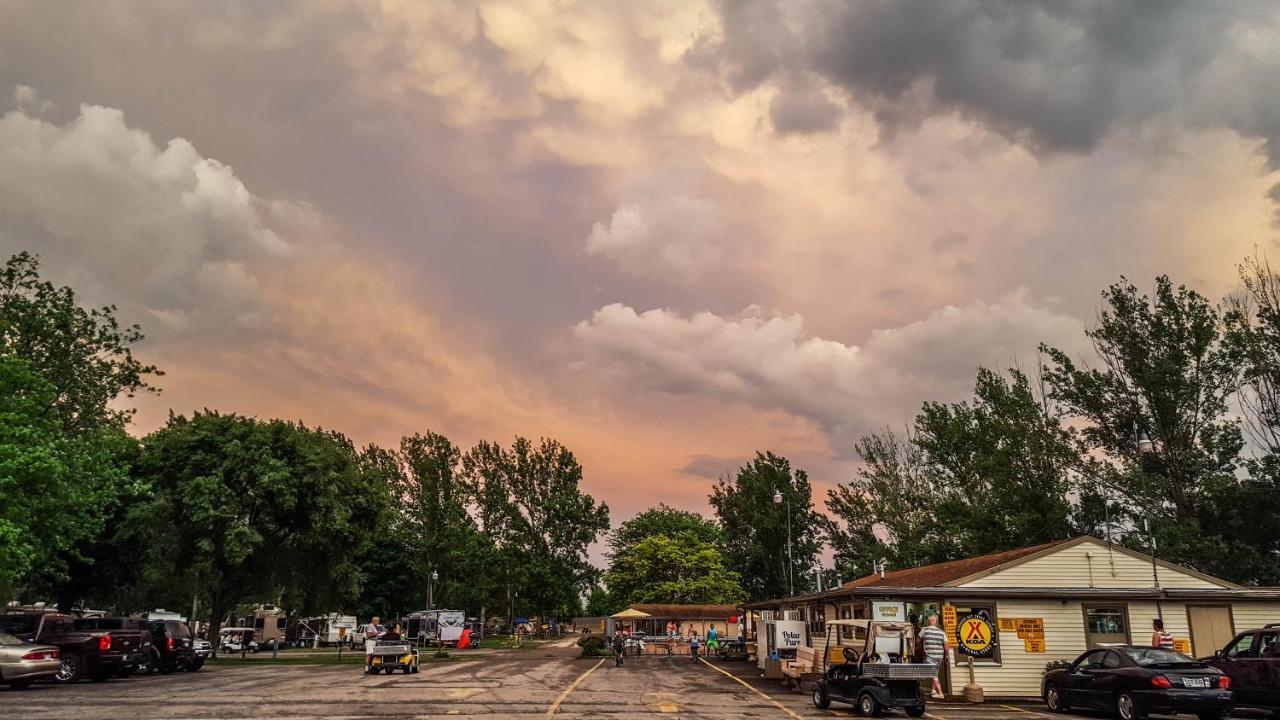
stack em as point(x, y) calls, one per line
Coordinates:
point(1160, 638)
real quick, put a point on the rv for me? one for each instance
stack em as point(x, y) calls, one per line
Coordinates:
point(327, 630)
point(269, 624)
point(434, 627)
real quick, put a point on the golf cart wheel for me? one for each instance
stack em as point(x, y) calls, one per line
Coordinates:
point(820, 699)
point(1126, 708)
point(867, 705)
point(415, 669)
point(1053, 698)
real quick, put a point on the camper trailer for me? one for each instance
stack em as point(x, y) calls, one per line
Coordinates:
point(269, 625)
point(326, 630)
point(434, 627)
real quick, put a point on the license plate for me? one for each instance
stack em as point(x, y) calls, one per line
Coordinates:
point(1195, 682)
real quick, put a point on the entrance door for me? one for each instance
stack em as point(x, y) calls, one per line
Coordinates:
point(1106, 625)
point(1211, 628)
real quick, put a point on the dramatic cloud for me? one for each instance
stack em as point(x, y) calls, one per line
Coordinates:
point(162, 227)
point(1056, 75)
point(664, 237)
point(768, 361)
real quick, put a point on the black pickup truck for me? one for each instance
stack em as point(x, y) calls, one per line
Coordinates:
point(96, 654)
point(1252, 661)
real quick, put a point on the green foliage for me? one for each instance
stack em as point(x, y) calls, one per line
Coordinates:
point(662, 520)
point(594, 646)
point(680, 569)
point(972, 478)
point(755, 529)
point(602, 603)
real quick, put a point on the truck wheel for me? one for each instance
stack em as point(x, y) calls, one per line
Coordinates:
point(71, 669)
point(820, 699)
point(867, 705)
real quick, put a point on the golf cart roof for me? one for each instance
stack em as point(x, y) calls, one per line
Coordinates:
point(237, 629)
point(866, 622)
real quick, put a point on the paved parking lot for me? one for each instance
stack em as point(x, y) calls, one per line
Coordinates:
point(548, 681)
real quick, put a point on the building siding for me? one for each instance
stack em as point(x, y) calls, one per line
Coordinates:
point(1087, 565)
point(1019, 672)
point(1251, 615)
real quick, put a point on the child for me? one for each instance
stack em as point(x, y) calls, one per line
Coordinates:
point(693, 647)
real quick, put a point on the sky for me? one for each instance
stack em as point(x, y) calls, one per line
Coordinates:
point(667, 233)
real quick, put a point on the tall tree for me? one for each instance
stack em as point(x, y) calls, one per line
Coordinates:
point(756, 529)
point(662, 520)
point(673, 569)
point(260, 509)
point(1166, 376)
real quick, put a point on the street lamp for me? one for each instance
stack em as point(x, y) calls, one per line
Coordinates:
point(791, 583)
point(431, 587)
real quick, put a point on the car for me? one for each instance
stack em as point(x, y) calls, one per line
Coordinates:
point(1252, 661)
point(201, 649)
point(23, 662)
point(1132, 681)
point(872, 678)
point(171, 646)
point(97, 654)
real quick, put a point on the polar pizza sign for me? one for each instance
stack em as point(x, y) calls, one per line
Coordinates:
point(976, 636)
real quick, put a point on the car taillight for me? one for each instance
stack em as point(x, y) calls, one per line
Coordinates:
point(1161, 682)
point(41, 655)
point(1224, 683)
point(104, 643)
point(168, 643)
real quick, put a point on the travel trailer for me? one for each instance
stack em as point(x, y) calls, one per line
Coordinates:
point(325, 630)
point(269, 625)
point(434, 627)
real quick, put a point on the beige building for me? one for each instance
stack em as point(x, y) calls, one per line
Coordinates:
point(1049, 602)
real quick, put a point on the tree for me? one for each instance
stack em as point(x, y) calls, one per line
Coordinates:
point(1168, 376)
point(601, 603)
point(755, 529)
point(662, 520)
point(971, 478)
point(673, 569)
point(259, 510)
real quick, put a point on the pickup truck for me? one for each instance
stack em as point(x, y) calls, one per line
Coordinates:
point(96, 654)
point(1252, 661)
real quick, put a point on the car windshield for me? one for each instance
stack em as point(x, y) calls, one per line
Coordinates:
point(8, 640)
point(1156, 656)
point(19, 624)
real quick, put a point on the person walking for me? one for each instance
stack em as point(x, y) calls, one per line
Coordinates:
point(619, 649)
point(372, 632)
point(1159, 637)
point(713, 643)
point(693, 646)
point(934, 640)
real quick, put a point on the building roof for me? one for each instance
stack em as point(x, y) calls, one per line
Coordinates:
point(949, 572)
point(687, 612)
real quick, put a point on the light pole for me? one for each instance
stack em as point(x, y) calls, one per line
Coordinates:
point(431, 587)
point(791, 583)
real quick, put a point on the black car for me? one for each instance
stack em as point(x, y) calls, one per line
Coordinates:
point(171, 646)
point(1252, 661)
point(1132, 681)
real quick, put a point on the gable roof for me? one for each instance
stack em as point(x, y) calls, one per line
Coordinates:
point(947, 573)
point(958, 572)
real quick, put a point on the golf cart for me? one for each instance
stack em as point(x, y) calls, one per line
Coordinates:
point(392, 655)
point(237, 639)
point(875, 671)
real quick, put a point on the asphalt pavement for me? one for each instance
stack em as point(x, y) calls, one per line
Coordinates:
point(548, 681)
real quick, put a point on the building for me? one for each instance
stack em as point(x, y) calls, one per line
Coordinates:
point(652, 619)
point(1044, 603)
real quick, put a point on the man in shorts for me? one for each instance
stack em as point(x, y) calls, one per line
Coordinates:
point(934, 640)
point(372, 632)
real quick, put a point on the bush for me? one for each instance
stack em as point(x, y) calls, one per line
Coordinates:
point(1056, 665)
point(594, 646)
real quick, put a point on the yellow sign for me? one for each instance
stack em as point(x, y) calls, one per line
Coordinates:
point(975, 635)
point(1182, 646)
point(949, 619)
point(1008, 625)
point(1033, 645)
point(342, 633)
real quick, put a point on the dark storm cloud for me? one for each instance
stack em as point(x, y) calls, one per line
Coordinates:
point(803, 110)
point(1054, 75)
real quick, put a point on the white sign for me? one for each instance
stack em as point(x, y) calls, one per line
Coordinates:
point(790, 633)
point(893, 612)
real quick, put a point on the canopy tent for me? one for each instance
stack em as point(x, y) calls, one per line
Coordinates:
point(630, 614)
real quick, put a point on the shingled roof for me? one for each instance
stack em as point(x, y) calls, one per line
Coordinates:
point(947, 572)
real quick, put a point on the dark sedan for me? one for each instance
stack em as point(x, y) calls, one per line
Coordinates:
point(1133, 681)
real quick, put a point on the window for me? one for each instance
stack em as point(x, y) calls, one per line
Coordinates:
point(988, 612)
point(1111, 660)
point(1105, 621)
point(1155, 656)
point(1242, 647)
point(281, 623)
point(259, 623)
point(1268, 644)
point(1092, 661)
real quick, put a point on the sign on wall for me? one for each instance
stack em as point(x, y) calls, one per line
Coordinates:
point(975, 636)
point(949, 619)
point(789, 633)
point(892, 612)
point(1182, 645)
point(1033, 645)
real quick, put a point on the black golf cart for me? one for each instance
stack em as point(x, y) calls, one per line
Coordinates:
point(875, 671)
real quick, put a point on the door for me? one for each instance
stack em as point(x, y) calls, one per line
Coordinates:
point(1238, 662)
point(1268, 668)
point(1079, 685)
point(1211, 628)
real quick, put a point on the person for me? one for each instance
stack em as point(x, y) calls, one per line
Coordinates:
point(693, 645)
point(1160, 638)
point(619, 649)
point(917, 647)
point(713, 643)
point(392, 634)
point(372, 632)
point(934, 640)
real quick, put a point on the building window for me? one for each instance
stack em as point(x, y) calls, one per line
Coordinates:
point(1105, 625)
point(988, 612)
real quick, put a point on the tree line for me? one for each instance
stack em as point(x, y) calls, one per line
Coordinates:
point(214, 511)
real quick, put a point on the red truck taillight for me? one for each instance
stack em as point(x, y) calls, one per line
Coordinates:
point(41, 655)
point(1224, 683)
point(168, 643)
point(104, 643)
